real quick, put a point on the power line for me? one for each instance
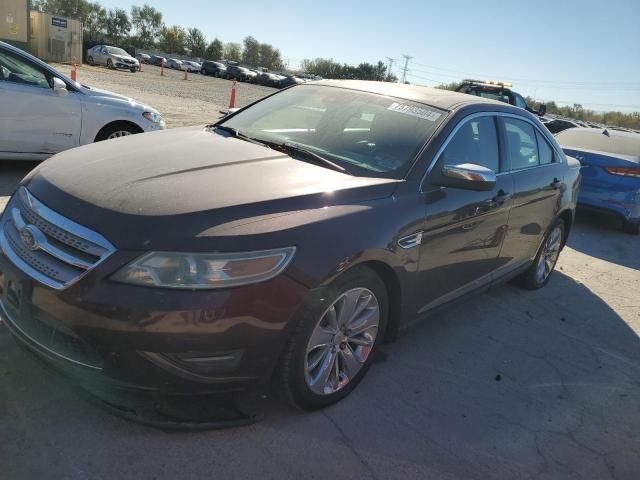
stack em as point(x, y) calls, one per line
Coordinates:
point(537, 81)
point(405, 69)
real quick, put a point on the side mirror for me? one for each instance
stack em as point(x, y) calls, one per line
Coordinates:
point(59, 87)
point(229, 111)
point(542, 110)
point(468, 176)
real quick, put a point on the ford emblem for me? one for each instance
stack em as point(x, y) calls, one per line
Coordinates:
point(29, 237)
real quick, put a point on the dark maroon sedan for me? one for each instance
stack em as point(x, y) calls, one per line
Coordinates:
point(285, 242)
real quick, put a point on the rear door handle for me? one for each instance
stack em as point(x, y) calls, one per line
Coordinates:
point(556, 184)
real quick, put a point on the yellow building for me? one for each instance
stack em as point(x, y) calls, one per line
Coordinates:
point(14, 22)
point(54, 38)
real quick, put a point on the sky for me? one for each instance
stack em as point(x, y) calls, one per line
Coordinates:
point(570, 51)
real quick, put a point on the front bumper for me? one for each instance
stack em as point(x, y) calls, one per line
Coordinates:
point(154, 340)
point(119, 64)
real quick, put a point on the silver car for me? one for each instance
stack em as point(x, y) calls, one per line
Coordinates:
point(112, 57)
point(174, 63)
point(44, 112)
point(191, 66)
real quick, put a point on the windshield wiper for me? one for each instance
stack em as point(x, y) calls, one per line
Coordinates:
point(311, 155)
point(236, 133)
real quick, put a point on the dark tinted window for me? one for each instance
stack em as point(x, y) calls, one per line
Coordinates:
point(491, 93)
point(476, 141)
point(521, 143)
point(519, 101)
point(545, 152)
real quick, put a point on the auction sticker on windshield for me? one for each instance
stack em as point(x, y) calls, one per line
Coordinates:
point(414, 111)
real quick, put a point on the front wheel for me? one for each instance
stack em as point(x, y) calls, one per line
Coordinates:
point(109, 64)
point(116, 130)
point(90, 60)
point(540, 271)
point(340, 328)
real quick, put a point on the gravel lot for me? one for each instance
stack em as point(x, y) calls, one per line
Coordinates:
point(511, 384)
point(192, 102)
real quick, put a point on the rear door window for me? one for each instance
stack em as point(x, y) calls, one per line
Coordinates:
point(476, 141)
point(521, 142)
point(545, 152)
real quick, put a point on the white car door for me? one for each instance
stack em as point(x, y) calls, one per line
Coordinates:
point(34, 118)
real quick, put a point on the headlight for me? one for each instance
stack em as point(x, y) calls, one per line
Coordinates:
point(153, 117)
point(204, 270)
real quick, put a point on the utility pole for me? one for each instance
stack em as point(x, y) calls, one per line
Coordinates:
point(390, 60)
point(405, 69)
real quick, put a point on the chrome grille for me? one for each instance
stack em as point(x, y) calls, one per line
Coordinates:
point(61, 251)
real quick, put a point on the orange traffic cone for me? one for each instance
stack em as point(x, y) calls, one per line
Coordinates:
point(185, 73)
point(232, 103)
point(162, 68)
point(140, 65)
point(74, 72)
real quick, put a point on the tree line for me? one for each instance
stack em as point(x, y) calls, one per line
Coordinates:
point(576, 111)
point(327, 68)
point(144, 28)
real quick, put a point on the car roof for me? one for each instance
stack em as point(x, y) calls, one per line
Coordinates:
point(612, 142)
point(444, 99)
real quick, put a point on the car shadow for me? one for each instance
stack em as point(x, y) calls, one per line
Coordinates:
point(619, 248)
point(509, 384)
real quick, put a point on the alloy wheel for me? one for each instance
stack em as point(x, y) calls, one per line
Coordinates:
point(549, 255)
point(118, 134)
point(342, 341)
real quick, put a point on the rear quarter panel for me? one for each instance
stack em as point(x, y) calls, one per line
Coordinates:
point(602, 190)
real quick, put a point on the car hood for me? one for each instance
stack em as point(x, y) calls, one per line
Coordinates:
point(167, 188)
point(122, 57)
point(105, 96)
point(98, 92)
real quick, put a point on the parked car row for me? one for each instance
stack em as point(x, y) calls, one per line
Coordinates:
point(117, 58)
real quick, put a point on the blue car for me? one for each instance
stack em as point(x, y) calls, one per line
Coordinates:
point(610, 171)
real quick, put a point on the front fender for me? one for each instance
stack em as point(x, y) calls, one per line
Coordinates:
point(97, 114)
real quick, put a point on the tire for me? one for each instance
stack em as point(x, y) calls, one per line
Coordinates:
point(109, 64)
point(537, 276)
point(116, 130)
point(90, 61)
point(296, 375)
point(631, 227)
point(133, 70)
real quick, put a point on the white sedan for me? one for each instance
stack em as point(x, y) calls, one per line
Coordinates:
point(192, 67)
point(44, 112)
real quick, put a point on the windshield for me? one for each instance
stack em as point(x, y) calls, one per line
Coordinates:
point(117, 51)
point(368, 134)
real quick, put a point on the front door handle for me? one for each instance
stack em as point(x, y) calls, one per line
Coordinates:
point(501, 197)
point(556, 184)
